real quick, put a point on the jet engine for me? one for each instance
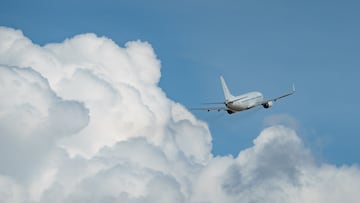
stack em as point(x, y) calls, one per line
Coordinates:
point(268, 104)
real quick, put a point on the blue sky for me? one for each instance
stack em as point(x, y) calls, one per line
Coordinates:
point(255, 45)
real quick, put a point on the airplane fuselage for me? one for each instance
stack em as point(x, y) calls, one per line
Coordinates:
point(245, 101)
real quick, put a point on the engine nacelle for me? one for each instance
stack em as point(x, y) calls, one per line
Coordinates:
point(268, 104)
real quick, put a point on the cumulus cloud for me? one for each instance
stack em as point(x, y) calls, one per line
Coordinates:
point(85, 121)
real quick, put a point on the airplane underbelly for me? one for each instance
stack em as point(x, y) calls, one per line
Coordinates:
point(237, 107)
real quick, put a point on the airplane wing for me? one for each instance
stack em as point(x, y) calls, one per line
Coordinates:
point(280, 97)
point(211, 109)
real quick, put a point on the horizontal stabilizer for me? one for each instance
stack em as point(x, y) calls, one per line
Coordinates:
point(214, 103)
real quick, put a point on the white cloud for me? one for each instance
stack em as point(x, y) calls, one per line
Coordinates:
point(85, 121)
point(32, 119)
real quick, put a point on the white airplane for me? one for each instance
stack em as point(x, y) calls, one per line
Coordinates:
point(242, 102)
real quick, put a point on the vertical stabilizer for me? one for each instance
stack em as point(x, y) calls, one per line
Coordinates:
point(227, 94)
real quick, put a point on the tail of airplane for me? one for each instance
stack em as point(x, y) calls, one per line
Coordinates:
point(227, 94)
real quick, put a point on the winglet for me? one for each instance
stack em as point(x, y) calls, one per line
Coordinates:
point(293, 88)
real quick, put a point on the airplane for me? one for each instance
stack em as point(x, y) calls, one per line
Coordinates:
point(234, 104)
